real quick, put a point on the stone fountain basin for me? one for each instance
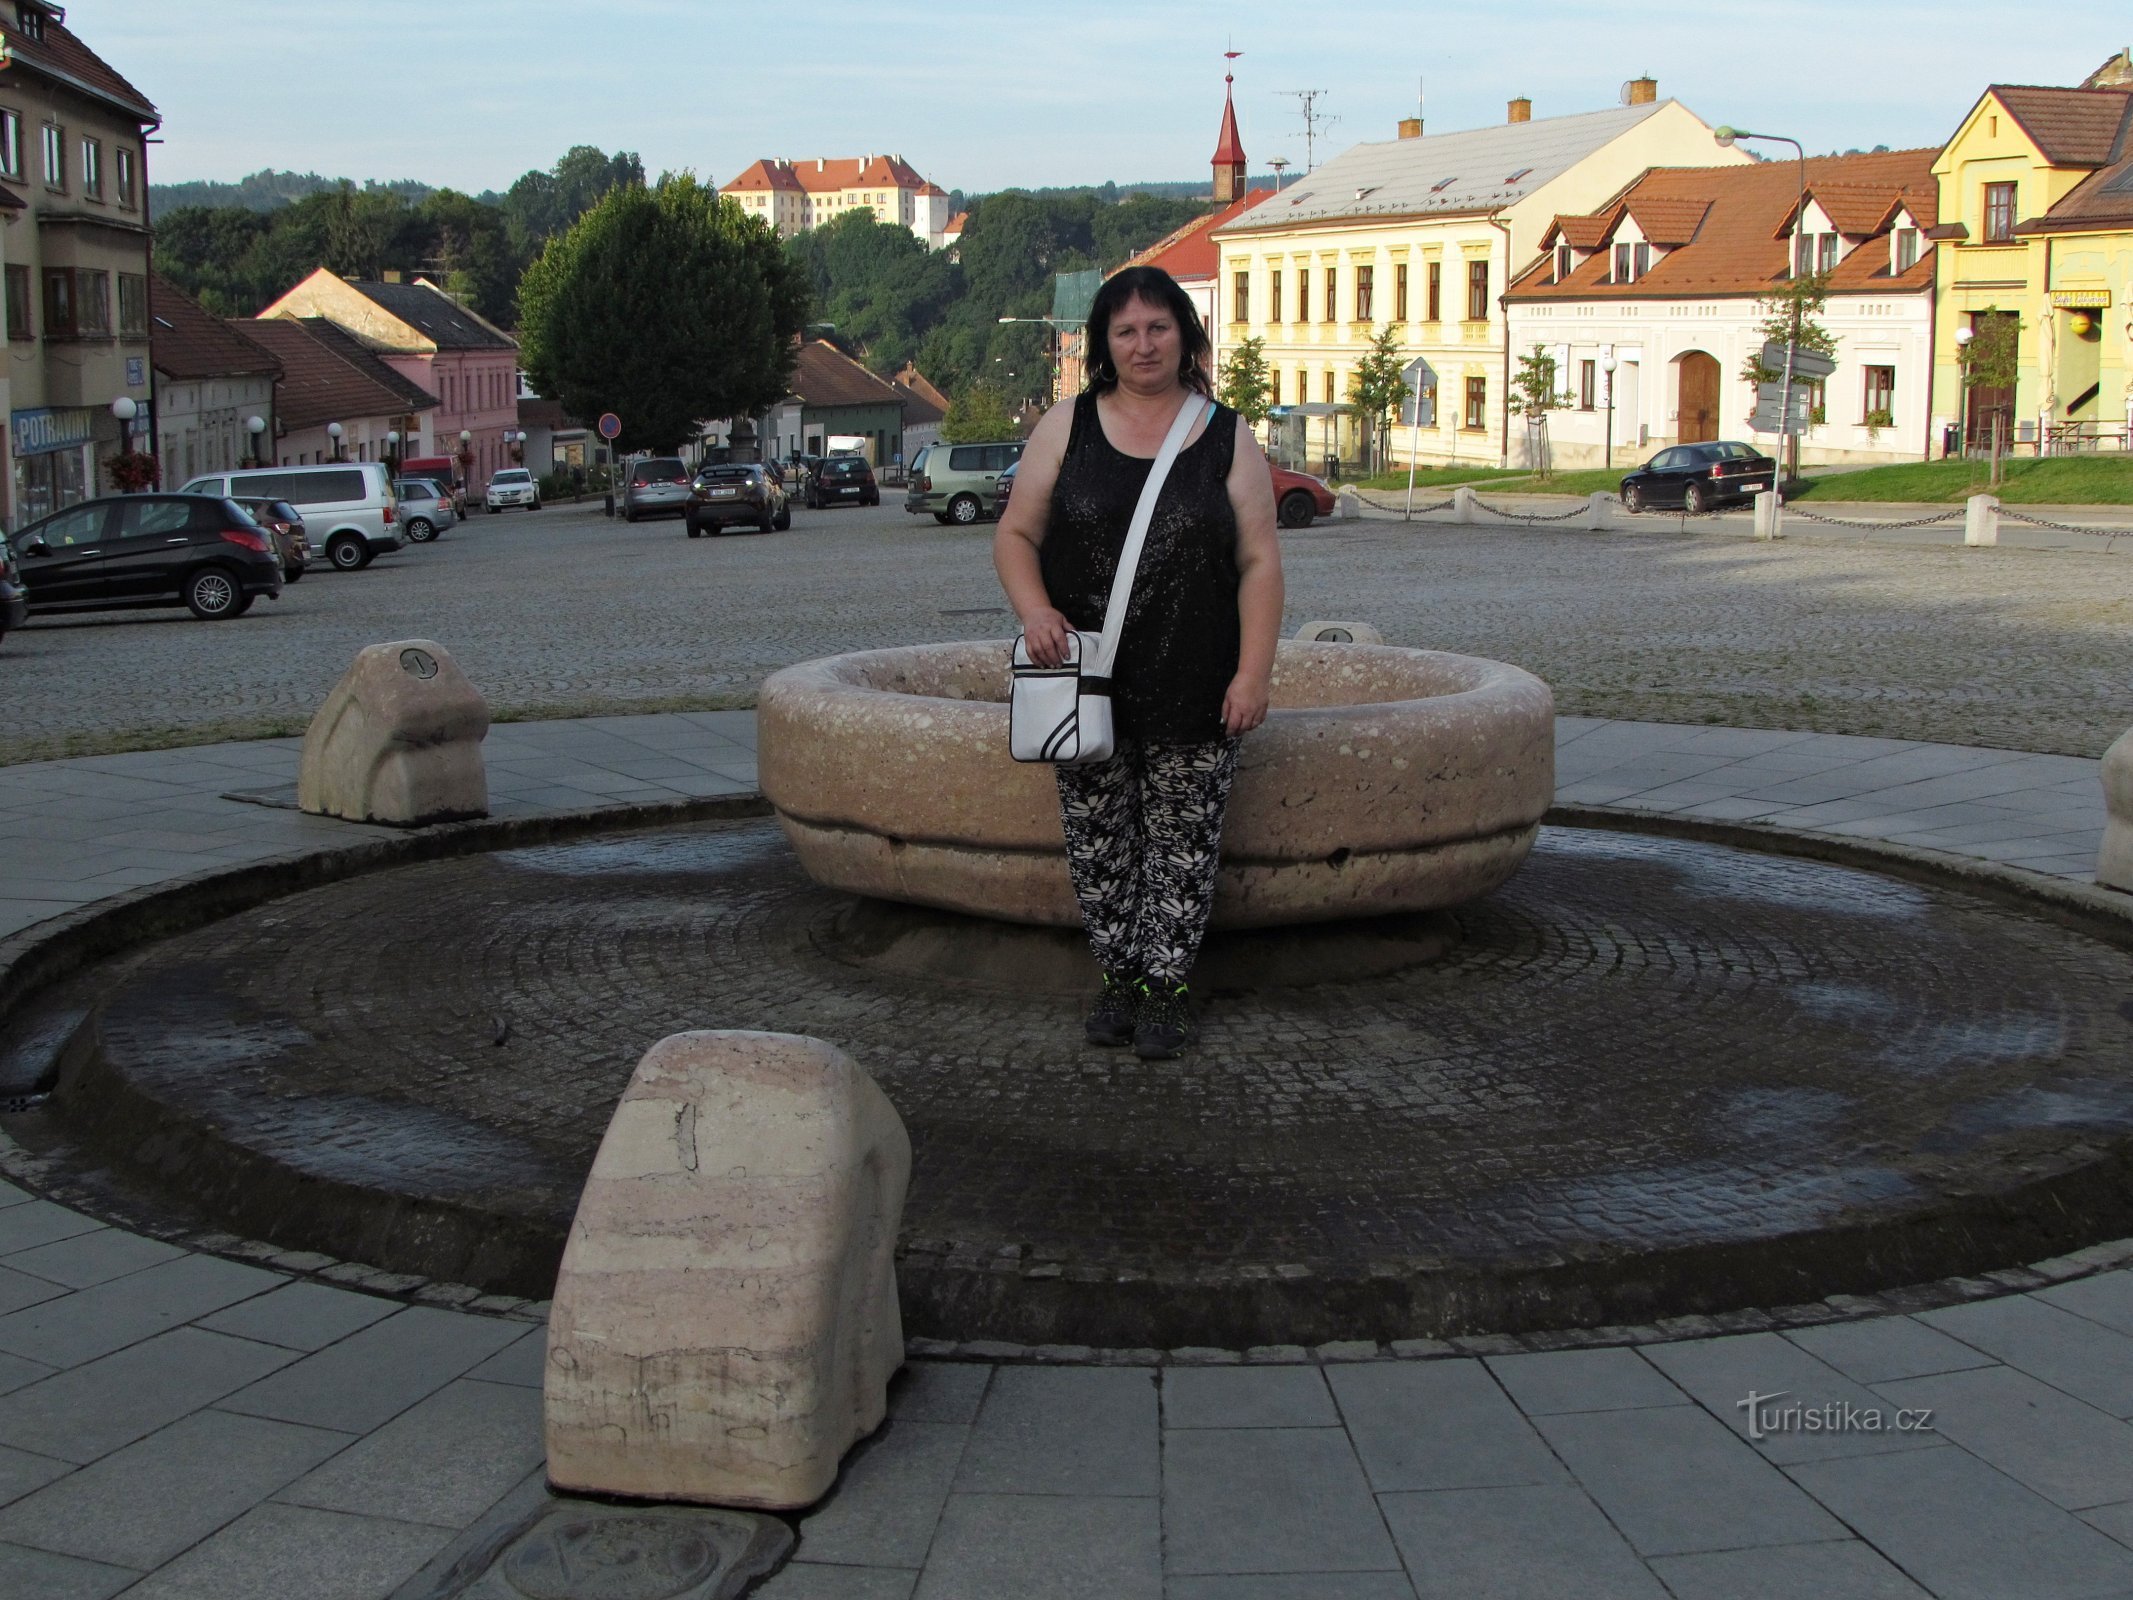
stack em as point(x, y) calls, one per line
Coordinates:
point(1385, 780)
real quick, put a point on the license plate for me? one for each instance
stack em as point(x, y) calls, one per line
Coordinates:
point(724, 494)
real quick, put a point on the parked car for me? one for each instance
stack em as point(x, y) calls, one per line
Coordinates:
point(425, 508)
point(512, 486)
point(1004, 488)
point(843, 481)
point(14, 598)
point(286, 523)
point(443, 471)
point(1697, 477)
point(123, 551)
point(728, 495)
point(349, 507)
point(959, 482)
point(1298, 497)
point(655, 485)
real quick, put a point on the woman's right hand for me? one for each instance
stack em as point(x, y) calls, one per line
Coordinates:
point(1045, 630)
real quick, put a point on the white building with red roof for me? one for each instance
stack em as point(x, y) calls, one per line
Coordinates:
point(794, 196)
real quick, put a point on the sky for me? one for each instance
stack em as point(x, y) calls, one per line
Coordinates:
point(983, 94)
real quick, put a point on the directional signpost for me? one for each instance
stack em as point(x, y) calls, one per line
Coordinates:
point(1418, 411)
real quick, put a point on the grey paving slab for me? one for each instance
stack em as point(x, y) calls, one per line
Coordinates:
point(1876, 1349)
point(1514, 1544)
point(379, 1371)
point(1268, 1500)
point(23, 1227)
point(302, 1316)
point(1721, 1373)
point(1438, 1425)
point(90, 1410)
point(17, 1373)
point(939, 1391)
point(1675, 1479)
point(2107, 1297)
point(445, 1460)
point(1843, 1570)
point(92, 1258)
point(10, 1195)
point(1584, 1380)
point(93, 1322)
point(1292, 1586)
point(1965, 1531)
point(887, 1499)
point(140, 1506)
point(2067, 1451)
point(277, 1552)
point(521, 1363)
point(1045, 1547)
point(2070, 1352)
point(19, 1289)
point(1064, 1430)
point(41, 1575)
point(2115, 1520)
point(21, 1473)
point(811, 1580)
point(1247, 1397)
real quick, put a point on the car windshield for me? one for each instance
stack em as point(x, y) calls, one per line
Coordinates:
point(659, 472)
point(843, 467)
point(728, 474)
point(513, 475)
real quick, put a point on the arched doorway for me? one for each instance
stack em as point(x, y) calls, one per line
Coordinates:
point(1696, 398)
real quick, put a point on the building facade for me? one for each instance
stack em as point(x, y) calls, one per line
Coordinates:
point(337, 400)
point(1652, 308)
point(1422, 234)
point(74, 196)
point(794, 196)
point(212, 383)
point(839, 398)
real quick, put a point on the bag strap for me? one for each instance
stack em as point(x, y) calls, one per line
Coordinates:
point(1129, 559)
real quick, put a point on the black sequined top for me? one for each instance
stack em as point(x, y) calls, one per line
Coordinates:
point(1178, 650)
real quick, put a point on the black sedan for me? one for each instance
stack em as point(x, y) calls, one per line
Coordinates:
point(843, 481)
point(731, 494)
point(1698, 477)
point(14, 598)
point(133, 550)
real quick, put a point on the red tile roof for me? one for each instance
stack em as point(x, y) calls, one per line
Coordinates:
point(1665, 220)
point(327, 376)
point(61, 54)
point(826, 176)
point(825, 376)
point(1583, 233)
point(186, 340)
point(924, 397)
point(2104, 199)
point(1190, 253)
point(2069, 127)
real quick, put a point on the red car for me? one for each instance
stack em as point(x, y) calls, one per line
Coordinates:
point(1298, 497)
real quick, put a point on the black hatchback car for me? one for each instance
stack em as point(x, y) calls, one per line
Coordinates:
point(1699, 477)
point(841, 481)
point(134, 550)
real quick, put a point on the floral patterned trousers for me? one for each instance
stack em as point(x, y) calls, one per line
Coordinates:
point(1143, 834)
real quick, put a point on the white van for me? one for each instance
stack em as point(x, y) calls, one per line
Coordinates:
point(348, 507)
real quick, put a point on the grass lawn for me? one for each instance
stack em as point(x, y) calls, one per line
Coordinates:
point(1580, 484)
point(1437, 478)
point(2056, 480)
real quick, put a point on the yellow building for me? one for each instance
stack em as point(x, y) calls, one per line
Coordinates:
point(2036, 223)
point(1424, 234)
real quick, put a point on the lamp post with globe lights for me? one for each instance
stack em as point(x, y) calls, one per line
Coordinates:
point(334, 431)
point(256, 426)
point(392, 452)
point(1607, 365)
point(1727, 137)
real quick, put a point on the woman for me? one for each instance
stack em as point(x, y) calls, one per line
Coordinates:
point(1196, 655)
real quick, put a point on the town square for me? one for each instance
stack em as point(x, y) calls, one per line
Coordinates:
point(801, 817)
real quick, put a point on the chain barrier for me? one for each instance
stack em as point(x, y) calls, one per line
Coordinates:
point(1578, 510)
point(2063, 527)
point(1849, 522)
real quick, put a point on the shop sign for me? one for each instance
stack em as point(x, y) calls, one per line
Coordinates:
point(41, 431)
point(2081, 299)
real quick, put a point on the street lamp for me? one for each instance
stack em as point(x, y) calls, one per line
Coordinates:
point(125, 409)
point(392, 451)
point(1607, 365)
point(334, 431)
point(255, 426)
point(1727, 138)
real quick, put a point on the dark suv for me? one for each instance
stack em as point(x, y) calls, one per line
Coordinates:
point(132, 550)
point(734, 493)
point(843, 480)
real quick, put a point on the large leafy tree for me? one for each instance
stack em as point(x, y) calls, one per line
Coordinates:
point(1247, 383)
point(1378, 385)
point(666, 306)
point(977, 415)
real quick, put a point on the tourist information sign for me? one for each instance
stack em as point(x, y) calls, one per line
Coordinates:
point(1810, 365)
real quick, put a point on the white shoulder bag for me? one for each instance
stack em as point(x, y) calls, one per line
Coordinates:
point(1062, 714)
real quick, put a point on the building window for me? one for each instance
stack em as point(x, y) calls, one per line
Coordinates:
point(31, 21)
point(76, 302)
point(1623, 271)
point(1477, 291)
point(58, 303)
point(1826, 253)
point(1273, 390)
point(1588, 385)
point(1399, 292)
point(1803, 254)
point(18, 303)
point(1880, 396)
point(1241, 307)
point(1365, 292)
point(1303, 294)
point(55, 157)
point(1563, 262)
point(1329, 386)
point(1436, 291)
point(10, 144)
point(92, 169)
point(1999, 213)
point(133, 306)
point(1644, 259)
point(1333, 299)
point(1273, 297)
point(125, 177)
point(1477, 404)
point(1906, 249)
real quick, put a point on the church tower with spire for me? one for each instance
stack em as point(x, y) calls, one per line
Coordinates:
point(1229, 150)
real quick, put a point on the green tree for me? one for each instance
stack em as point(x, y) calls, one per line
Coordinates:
point(976, 415)
point(1247, 385)
point(667, 306)
point(1378, 387)
point(1991, 358)
point(1533, 396)
point(1791, 315)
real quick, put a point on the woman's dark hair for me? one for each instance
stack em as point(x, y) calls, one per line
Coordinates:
point(1153, 286)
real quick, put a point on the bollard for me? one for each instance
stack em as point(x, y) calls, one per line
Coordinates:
point(609, 509)
point(1769, 515)
point(1599, 511)
point(1348, 505)
point(1462, 504)
point(1981, 520)
point(2114, 861)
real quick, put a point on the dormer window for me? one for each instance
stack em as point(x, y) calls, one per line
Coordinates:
point(1814, 252)
point(1825, 252)
point(1904, 247)
point(1632, 261)
point(1563, 262)
point(30, 19)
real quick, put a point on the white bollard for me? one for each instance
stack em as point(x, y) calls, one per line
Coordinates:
point(1599, 511)
point(1981, 520)
point(1462, 504)
point(2114, 862)
point(1769, 515)
point(1347, 505)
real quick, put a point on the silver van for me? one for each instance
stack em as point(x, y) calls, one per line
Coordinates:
point(959, 482)
point(349, 507)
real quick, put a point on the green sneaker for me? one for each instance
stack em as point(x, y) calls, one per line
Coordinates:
point(1165, 1026)
point(1112, 1018)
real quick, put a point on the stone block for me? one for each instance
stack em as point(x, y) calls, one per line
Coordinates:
point(1347, 505)
point(2114, 862)
point(725, 1321)
point(398, 741)
point(1981, 520)
point(1334, 631)
point(1769, 515)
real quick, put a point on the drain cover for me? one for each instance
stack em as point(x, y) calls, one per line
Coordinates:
point(581, 1551)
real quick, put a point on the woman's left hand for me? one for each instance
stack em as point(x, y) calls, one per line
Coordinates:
point(1244, 705)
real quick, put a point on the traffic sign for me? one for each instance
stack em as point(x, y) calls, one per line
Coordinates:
point(610, 425)
point(1419, 409)
point(1807, 364)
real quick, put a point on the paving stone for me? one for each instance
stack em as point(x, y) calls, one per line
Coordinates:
point(807, 1580)
point(91, 1258)
point(1045, 1547)
point(1881, 1348)
point(44, 1576)
point(1268, 1500)
point(140, 1506)
point(1508, 1544)
point(2067, 1351)
point(302, 1316)
point(938, 1391)
point(1293, 1586)
point(522, 1362)
point(445, 1460)
point(1965, 1531)
point(276, 1552)
point(2107, 1297)
point(1438, 1425)
point(1842, 1570)
point(2067, 1451)
point(1583, 1380)
point(1674, 1479)
point(90, 1410)
point(12, 1195)
point(887, 1499)
point(1247, 1397)
point(1065, 1430)
point(94, 1322)
point(21, 1472)
point(1723, 1373)
point(30, 1223)
point(16, 1373)
point(379, 1371)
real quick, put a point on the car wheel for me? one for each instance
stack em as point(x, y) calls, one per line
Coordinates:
point(1632, 497)
point(695, 532)
point(421, 529)
point(784, 518)
point(496, 511)
point(292, 574)
point(941, 517)
point(347, 552)
point(213, 593)
point(1297, 509)
point(535, 506)
point(1695, 500)
point(965, 510)
point(244, 604)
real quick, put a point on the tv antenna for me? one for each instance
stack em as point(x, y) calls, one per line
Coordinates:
point(1314, 120)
